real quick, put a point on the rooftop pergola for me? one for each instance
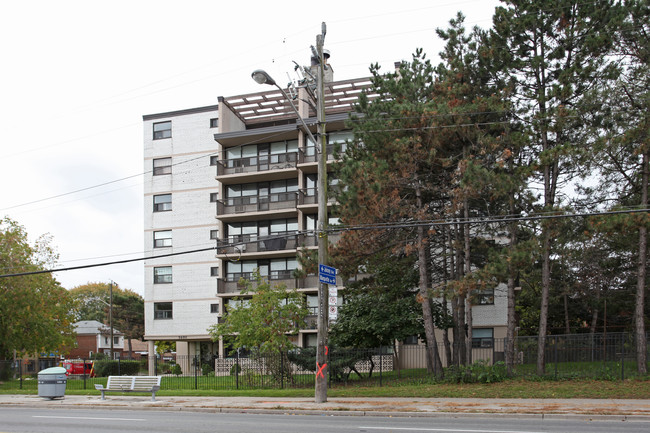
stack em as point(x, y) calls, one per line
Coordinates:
point(270, 106)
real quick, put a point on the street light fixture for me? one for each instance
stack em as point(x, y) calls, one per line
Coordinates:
point(262, 77)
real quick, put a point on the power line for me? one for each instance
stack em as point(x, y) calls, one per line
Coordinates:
point(463, 221)
point(429, 223)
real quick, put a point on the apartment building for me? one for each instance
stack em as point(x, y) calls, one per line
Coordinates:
point(179, 216)
point(239, 180)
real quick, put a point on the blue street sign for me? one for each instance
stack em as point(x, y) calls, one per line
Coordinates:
point(327, 274)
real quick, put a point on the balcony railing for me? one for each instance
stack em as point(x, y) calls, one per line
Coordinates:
point(311, 321)
point(232, 282)
point(252, 244)
point(308, 196)
point(254, 164)
point(309, 154)
point(277, 201)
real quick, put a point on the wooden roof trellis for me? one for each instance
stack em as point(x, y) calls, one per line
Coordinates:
point(340, 96)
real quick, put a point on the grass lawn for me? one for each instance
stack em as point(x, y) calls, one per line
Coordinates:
point(514, 388)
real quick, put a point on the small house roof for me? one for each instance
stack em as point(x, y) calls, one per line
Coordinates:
point(93, 327)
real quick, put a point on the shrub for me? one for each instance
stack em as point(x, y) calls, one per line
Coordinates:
point(176, 369)
point(479, 372)
point(207, 370)
point(115, 368)
point(235, 369)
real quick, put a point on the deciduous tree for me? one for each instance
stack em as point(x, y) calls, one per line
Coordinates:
point(35, 311)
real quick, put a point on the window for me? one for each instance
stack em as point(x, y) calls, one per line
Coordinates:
point(214, 271)
point(162, 130)
point(214, 308)
point(162, 310)
point(162, 275)
point(214, 234)
point(214, 123)
point(339, 139)
point(482, 337)
point(214, 196)
point(281, 269)
point(483, 297)
point(162, 239)
point(162, 166)
point(311, 183)
point(214, 160)
point(284, 226)
point(116, 340)
point(243, 269)
point(162, 202)
point(411, 339)
point(310, 340)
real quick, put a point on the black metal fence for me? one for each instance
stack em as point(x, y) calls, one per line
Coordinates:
point(603, 356)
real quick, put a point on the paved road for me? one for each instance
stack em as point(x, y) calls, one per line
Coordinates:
point(65, 420)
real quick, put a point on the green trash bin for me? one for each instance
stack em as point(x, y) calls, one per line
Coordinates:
point(52, 382)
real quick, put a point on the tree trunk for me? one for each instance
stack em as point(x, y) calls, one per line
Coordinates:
point(446, 273)
point(429, 330)
point(445, 334)
point(549, 186)
point(567, 325)
point(398, 361)
point(511, 318)
point(461, 324)
point(639, 304)
point(455, 331)
point(543, 309)
point(594, 314)
point(468, 271)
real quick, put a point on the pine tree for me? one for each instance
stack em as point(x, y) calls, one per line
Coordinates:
point(554, 54)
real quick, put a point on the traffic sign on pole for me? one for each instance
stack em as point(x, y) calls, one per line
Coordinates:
point(327, 274)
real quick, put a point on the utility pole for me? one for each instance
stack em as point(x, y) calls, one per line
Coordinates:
point(321, 349)
point(261, 77)
point(110, 319)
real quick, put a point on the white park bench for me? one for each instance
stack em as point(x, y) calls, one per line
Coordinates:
point(131, 384)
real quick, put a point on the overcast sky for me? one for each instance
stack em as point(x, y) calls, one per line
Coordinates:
point(77, 76)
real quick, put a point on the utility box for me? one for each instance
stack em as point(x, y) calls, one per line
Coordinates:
point(52, 382)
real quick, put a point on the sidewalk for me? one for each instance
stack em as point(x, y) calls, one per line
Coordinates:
point(544, 408)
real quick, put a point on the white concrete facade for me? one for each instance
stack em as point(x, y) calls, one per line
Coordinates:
point(190, 181)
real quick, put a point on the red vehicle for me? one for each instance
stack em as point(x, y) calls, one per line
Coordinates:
point(78, 366)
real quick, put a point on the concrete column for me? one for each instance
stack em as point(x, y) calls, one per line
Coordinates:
point(151, 355)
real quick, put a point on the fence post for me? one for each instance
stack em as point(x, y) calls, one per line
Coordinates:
point(84, 370)
point(119, 370)
point(237, 370)
point(196, 371)
point(20, 372)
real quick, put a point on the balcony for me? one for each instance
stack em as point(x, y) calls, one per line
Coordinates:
point(239, 205)
point(309, 154)
point(308, 196)
point(311, 321)
point(259, 163)
point(240, 244)
point(232, 285)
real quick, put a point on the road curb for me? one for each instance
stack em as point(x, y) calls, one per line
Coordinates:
point(330, 412)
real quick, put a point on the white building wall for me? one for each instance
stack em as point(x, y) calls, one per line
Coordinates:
point(488, 316)
point(191, 219)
